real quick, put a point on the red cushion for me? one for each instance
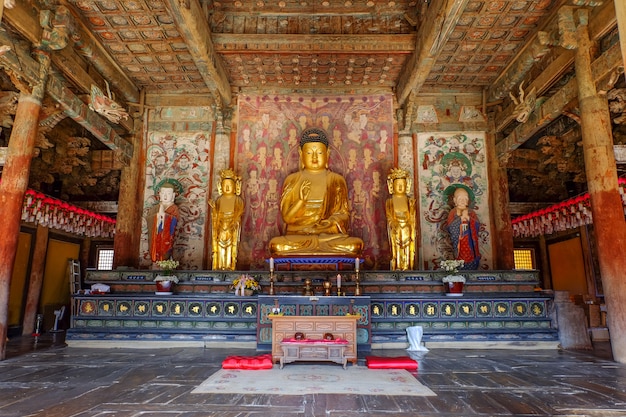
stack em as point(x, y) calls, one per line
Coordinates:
point(395, 362)
point(248, 362)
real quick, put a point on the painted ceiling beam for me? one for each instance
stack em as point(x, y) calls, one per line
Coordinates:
point(94, 52)
point(21, 64)
point(246, 43)
point(438, 23)
point(194, 28)
point(25, 20)
point(564, 100)
point(602, 22)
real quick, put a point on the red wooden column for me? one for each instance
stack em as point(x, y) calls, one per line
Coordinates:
point(35, 282)
point(500, 214)
point(130, 204)
point(606, 204)
point(12, 189)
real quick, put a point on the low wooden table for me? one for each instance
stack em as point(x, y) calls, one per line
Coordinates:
point(313, 351)
point(314, 328)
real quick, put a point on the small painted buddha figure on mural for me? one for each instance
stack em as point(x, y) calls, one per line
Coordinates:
point(463, 226)
point(314, 205)
point(401, 220)
point(226, 216)
point(163, 221)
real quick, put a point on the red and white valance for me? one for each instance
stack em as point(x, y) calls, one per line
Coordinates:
point(569, 214)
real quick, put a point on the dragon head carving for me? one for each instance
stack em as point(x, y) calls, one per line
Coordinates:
point(104, 105)
point(525, 105)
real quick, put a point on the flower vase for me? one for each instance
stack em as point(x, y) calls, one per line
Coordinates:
point(454, 289)
point(164, 287)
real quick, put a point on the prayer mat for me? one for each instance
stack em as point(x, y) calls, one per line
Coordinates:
point(248, 362)
point(301, 378)
point(393, 362)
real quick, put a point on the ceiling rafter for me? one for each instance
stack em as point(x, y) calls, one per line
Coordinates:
point(440, 19)
point(195, 30)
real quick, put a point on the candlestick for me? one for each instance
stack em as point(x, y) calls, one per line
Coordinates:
point(356, 264)
point(357, 288)
point(338, 284)
point(271, 264)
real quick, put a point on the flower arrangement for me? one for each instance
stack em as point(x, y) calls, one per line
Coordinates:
point(453, 278)
point(245, 282)
point(452, 266)
point(167, 265)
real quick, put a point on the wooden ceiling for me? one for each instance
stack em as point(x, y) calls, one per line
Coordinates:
point(166, 46)
point(215, 50)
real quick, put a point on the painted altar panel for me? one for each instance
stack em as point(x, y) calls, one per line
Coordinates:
point(360, 132)
point(177, 146)
point(446, 159)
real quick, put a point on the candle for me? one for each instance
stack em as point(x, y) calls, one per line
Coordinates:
point(356, 264)
point(271, 264)
point(338, 281)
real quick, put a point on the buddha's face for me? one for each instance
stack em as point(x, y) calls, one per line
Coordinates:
point(399, 186)
point(314, 156)
point(228, 186)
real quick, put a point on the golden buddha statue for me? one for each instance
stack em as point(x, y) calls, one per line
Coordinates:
point(314, 205)
point(400, 210)
point(226, 214)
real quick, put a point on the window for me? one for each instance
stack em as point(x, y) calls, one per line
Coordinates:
point(104, 258)
point(524, 258)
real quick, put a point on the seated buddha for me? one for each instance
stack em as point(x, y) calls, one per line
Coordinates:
point(314, 206)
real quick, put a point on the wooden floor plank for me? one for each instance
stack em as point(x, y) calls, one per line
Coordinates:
point(82, 382)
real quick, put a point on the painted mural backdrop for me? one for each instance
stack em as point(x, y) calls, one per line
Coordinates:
point(446, 159)
point(360, 132)
point(178, 146)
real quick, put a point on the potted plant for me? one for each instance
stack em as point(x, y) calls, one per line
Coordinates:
point(245, 285)
point(166, 279)
point(453, 282)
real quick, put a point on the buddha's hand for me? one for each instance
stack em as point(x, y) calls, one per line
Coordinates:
point(305, 190)
point(323, 226)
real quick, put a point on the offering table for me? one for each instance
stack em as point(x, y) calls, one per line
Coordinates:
point(313, 351)
point(312, 346)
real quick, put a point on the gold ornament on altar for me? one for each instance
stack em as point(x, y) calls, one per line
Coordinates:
point(314, 205)
point(226, 215)
point(401, 220)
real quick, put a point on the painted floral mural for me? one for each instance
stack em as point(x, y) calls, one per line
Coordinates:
point(448, 161)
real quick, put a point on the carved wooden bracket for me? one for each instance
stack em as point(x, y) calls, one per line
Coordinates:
point(57, 27)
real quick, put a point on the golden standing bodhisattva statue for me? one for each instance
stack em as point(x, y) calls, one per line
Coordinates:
point(226, 214)
point(314, 205)
point(400, 210)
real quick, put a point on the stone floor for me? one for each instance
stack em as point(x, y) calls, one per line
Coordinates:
point(49, 379)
